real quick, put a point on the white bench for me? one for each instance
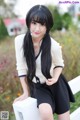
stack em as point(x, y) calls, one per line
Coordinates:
point(75, 86)
point(27, 109)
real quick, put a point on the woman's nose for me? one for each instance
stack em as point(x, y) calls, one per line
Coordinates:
point(37, 28)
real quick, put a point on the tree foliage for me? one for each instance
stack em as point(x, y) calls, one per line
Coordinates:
point(60, 20)
point(2, 2)
point(78, 17)
point(57, 20)
point(3, 29)
point(7, 9)
point(56, 17)
point(67, 20)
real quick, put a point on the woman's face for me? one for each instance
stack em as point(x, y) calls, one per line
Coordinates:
point(37, 30)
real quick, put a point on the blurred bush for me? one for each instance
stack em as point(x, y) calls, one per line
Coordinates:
point(9, 84)
point(70, 43)
point(60, 20)
point(58, 24)
point(3, 29)
point(66, 20)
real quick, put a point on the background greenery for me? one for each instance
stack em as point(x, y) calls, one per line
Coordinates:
point(3, 29)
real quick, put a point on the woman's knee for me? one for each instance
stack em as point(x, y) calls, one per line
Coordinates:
point(64, 116)
point(46, 111)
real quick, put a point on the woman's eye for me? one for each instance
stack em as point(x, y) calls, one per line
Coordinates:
point(33, 22)
point(42, 25)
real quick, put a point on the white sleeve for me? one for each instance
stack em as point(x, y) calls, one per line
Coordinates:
point(21, 65)
point(57, 58)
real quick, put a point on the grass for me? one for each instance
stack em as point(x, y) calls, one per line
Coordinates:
point(9, 83)
point(75, 105)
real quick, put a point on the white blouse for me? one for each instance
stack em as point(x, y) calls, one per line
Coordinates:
point(21, 64)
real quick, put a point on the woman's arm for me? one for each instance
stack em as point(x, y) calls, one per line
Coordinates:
point(24, 84)
point(56, 73)
point(58, 62)
point(25, 87)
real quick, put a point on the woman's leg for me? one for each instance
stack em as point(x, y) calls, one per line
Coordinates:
point(46, 111)
point(64, 116)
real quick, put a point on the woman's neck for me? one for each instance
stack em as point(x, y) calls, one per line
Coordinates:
point(37, 42)
point(36, 39)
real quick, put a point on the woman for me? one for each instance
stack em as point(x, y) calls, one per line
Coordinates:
point(40, 63)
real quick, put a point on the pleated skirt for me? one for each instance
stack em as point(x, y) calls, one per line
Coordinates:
point(58, 95)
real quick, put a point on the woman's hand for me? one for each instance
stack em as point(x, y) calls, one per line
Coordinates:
point(51, 81)
point(56, 73)
point(22, 97)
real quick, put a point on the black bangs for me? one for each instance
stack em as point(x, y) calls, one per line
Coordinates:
point(39, 17)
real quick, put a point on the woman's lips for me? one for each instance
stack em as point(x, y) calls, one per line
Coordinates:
point(37, 33)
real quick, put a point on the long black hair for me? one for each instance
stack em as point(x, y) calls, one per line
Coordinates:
point(40, 14)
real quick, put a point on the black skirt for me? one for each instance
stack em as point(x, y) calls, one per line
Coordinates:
point(58, 95)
